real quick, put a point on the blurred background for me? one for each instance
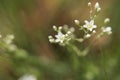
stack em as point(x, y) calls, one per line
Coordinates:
point(31, 22)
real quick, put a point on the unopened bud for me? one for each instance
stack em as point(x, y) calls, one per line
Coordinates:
point(89, 4)
point(55, 28)
point(106, 20)
point(77, 22)
point(98, 9)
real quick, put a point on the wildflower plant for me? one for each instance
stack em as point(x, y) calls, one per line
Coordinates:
point(7, 46)
point(27, 66)
point(89, 28)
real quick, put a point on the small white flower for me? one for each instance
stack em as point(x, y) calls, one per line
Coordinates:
point(60, 37)
point(106, 20)
point(52, 40)
point(89, 25)
point(28, 77)
point(77, 22)
point(107, 30)
point(87, 36)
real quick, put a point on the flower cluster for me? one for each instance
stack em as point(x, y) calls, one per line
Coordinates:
point(7, 42)
point(89, 28)
point(62, 38)
point(7, 46)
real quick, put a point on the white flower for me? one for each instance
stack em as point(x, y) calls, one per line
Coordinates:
point(107, 30)
point(89, 25)
point(28, 77)
point(77, 22)
point(60, 37)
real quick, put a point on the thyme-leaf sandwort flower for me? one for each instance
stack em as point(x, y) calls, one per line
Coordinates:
point(89, 25)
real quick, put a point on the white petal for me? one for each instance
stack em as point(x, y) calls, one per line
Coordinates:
point(57, 40)
point(51, 40)
point(92, 22)
point(94, 26)
point(90, 29)
point(108, 29)
point(59, 35)
point(86, 22)
point(50, 37)
point(85, 26)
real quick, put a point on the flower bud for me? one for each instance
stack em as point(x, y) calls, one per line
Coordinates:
point(97, 5)
point(89, 4)
point(98, 9)
point(106, 20)
point(77, 22)
point(55, 28)
point(87, 35)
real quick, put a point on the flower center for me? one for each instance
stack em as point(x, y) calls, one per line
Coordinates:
point(89, 26)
